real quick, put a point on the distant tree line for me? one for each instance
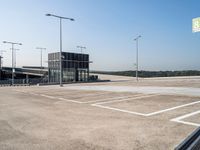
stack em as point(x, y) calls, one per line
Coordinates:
point(146, 74)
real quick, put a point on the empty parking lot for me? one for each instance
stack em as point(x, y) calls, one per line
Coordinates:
point(152, 114)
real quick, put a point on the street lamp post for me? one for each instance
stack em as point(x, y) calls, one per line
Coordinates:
point(81, 47)
point(12, 43)
point(136, 39)
point(79, 63)
point(60, 18)
point(41, 49)
point(14, 56)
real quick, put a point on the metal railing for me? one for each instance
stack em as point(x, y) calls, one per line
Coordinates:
point(32, 81)
point(192, 142)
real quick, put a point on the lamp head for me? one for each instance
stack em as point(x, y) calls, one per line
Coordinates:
point(48, 14)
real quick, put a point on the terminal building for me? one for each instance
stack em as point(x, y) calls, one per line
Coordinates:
point(75, 67)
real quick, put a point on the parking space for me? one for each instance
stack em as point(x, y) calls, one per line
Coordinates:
point(81, 96)
point(126, 102)
point(195, 118)
point(151, 104)
point(96, 96)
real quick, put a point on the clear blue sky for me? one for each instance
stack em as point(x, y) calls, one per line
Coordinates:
point(107, 28)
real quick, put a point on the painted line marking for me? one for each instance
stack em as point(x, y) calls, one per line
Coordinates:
point(121, 110)
point(180, 119)
point(68, 100)
point(20, 91)
point(97, 94)
point(173, 108)
point(100, 100)
point(25, 92)
point(113, 98)
point(34, 94)
point(132, 98)
point(138, 113)
point(47, 96)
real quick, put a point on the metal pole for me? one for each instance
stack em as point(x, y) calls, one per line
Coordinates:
point(13, 67)
point(61, 53)
point(81, 47)
point(41, 49)
point(15, 57)
point(12, 64)
point(137, 59)
point(41, 63)
point(41, 58)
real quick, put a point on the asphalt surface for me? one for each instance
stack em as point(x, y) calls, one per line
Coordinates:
point(100, 115)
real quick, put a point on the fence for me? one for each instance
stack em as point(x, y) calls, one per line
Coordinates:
point(23, 81)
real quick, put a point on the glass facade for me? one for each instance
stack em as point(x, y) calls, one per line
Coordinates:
point(75, 67)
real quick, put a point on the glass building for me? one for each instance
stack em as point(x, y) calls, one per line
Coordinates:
point(75, 67)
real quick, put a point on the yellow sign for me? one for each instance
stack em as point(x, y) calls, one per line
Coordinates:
point(196, 24)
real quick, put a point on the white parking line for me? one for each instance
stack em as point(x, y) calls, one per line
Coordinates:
point(127, 99)
point(47, 96)
point(121, 110)
point(122, 98)
point(180, 119)
point(113, 98)
point(19, 91)
point(173, 108)
point(116, 98)
point(69, 100)
point(92, 94)
point(138, 113)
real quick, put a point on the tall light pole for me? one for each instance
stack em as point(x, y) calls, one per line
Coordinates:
point(136, 39)
point(15, 57)
point(13, 69)
point(81, 47)
point(60, 18)
point(79, 63)
point(41, 49)
point(1, 55)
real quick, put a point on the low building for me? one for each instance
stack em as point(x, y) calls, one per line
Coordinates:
point(75, 67)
